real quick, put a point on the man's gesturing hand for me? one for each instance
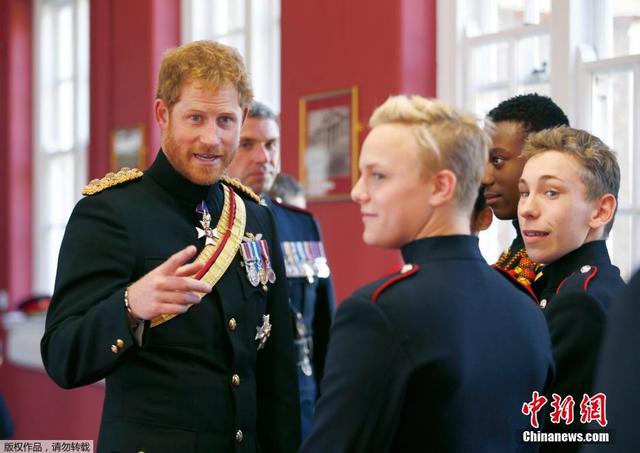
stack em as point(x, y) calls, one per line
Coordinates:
point(169, 288)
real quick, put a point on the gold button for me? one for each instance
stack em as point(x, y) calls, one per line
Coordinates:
point(239, 436)
point(232, 324)
point(114, 349)
point(120, 343)
point(235, 380)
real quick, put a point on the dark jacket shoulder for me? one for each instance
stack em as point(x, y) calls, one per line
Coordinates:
point(381, 289)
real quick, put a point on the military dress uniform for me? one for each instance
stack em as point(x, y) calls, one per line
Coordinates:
point(437, 357)
point(311, 298)
point(220, 377)
point(575, 293)
point(619, 372)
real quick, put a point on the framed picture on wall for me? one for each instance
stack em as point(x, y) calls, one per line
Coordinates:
point(128, 148)
point(329, 128)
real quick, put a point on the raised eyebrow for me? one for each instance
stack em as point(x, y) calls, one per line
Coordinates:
point(544, 178)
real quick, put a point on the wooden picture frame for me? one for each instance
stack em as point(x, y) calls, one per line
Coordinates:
point(328, 144)
point(128, 148)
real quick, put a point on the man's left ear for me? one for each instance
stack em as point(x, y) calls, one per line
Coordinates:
point(444, 184)
point(604, 209)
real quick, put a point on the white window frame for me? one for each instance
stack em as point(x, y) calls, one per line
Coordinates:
point(259, 28)
point(595, 59)
point(43, 248)
point(577, 34)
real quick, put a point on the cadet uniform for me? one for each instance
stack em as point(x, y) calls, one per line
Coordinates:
point(220, 377)
point(515, 261)
point(439, 357)
point(619, 372)
point(311, 298)
point(575, 293)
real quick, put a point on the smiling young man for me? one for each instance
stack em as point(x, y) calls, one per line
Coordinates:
point(441, 355)
point(197, 356)
point(568, 199)
point(514, 119)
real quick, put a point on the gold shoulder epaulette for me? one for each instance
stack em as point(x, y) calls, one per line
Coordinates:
point(235, 183)
point(111, 180)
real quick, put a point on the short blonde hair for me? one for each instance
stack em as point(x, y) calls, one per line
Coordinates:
point(450, 138)
point(601, 173)
point(209, 62)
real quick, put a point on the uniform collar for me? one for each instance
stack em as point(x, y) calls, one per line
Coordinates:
point(518, 242)
point(594, 252)
point(163, 173)
point(442, 247)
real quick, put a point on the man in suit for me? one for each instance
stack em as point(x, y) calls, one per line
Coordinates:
point(514, 120)
point(197, 356)
point(568, 198)
point(311, 296)
point(442, 355)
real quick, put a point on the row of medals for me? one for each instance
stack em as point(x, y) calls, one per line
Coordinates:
point(257, 264)
point(305, 259)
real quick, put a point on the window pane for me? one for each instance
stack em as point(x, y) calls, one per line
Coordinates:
point(626, 27)
point(61, 187)
point(533, 60)
point(612, 121)
point(489, 16)
point(228, 16)
point(510, 13)
point(65, 107)
point(64, 41)
point(490, 65)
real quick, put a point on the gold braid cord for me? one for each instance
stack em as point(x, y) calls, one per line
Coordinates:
point(236, 184)
point(125, 174)
point(228, 252)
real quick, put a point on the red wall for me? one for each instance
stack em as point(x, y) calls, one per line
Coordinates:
point(15, 147)
point(384, 48)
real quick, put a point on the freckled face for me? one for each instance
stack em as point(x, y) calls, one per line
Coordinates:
point(201, 132)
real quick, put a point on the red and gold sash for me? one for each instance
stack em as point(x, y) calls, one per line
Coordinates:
point(217, 257)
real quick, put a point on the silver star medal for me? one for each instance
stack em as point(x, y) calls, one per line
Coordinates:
point(263, 332)
point(206, 230)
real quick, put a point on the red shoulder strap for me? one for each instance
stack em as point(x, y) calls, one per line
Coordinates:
point(402, 275)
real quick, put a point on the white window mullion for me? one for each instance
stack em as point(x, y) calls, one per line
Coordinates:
point(59, 156)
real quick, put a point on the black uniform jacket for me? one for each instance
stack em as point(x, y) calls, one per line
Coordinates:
point(177, 392)
point(618, 374)
point(313, 299)
point(575, 293)
point(438, 358)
